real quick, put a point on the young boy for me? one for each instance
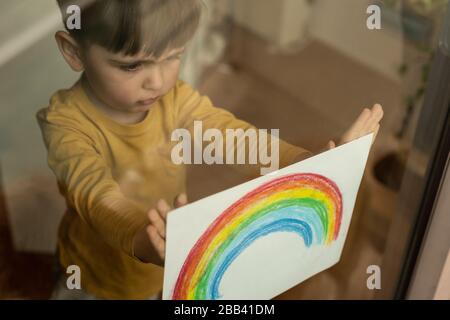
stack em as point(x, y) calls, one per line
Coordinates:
point(109, 140)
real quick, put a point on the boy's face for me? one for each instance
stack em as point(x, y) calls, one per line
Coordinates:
point(130, 84)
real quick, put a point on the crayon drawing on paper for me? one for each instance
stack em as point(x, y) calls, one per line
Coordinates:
point(261, 238)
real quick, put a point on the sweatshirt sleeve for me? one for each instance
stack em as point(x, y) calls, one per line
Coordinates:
point(87, 183)
point(191, 107)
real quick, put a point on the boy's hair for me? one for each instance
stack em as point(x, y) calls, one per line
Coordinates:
point(132, 26)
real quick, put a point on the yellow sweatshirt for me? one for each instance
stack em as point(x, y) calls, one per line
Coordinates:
point(111, 175)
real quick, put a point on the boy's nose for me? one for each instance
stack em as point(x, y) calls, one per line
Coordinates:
point(154, 79)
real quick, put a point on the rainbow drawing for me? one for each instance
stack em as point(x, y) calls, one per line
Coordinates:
point(307, 204)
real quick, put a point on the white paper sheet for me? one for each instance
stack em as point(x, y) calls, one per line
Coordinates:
point(269, 238)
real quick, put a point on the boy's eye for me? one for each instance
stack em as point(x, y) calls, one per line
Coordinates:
point(130, 67)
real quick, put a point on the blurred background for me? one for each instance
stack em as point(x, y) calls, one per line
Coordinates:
point(307, 67)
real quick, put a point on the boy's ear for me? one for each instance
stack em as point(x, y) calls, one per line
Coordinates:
point(70, 50)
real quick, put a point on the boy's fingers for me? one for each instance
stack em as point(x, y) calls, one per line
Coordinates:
point(367, 122)
point(163, 208)
point(377, 110)
point(362, 119)
point(375, 132)
point(181, 200)
point(331, 144)
point(358, 127)
point(377, 115)
point(158, 243)
point(157, 221)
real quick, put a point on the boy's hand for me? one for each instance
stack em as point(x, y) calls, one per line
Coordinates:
point(367, 122)
point(156, 230)
point(150, 244)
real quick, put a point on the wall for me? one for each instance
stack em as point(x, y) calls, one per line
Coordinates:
point(281, 22)
point(340, 24)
